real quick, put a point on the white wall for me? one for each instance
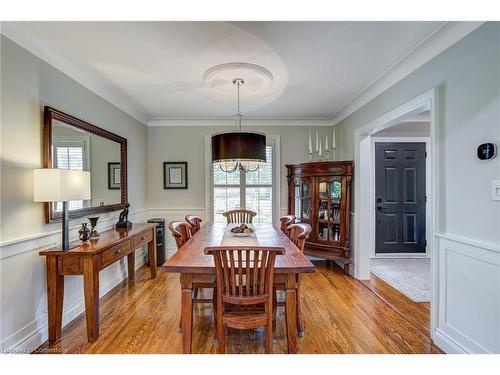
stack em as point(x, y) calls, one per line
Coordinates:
point(28, 84)
point(467, 76)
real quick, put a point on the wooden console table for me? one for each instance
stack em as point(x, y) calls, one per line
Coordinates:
point(88, 259)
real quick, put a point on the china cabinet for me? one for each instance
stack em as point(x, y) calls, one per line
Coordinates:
point(319, 193)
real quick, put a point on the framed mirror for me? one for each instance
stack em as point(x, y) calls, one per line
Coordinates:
point(71, 143)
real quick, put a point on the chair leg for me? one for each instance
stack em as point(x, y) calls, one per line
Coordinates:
point(269, 337)
point(221, 338)
point(179, 328)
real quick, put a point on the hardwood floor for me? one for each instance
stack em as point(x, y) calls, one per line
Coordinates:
point(341, 315)
point(417, 314)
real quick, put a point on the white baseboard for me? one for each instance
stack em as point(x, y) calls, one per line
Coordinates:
point(447, 344)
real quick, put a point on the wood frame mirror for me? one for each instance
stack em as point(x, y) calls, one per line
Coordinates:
point(50, 114)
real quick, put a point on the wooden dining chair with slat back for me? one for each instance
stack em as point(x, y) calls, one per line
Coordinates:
point(182, 232)
point(244, 277)
point(298, 234)
point(285, 221)
point(195, 222)
point(239, 216)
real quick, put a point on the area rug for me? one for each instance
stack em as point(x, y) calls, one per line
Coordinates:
point(412, 277)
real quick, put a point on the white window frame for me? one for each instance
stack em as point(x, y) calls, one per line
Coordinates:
point(274, 141)
point(72, 141)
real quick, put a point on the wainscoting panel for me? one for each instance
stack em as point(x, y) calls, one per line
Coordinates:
point(23, 309)
point(468, 296)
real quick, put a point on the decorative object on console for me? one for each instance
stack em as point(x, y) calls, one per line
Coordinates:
point(175, 175)
point(114, 176)
point(94, 234)
point(84, 232)
point(319, 193)
point(123, 218)
point(61, 185)
point(238, 149)
point(486, 151)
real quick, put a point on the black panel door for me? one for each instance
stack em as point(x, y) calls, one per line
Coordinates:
point(400, 197)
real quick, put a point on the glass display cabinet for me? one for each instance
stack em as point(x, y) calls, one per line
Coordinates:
point(319, 194)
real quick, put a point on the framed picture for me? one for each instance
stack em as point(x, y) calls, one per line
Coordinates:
point(175, 175)
point(114, 176)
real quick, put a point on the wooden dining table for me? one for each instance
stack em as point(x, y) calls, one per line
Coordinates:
point(194, 266)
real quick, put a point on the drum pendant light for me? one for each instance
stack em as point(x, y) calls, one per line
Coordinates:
point(243, 150)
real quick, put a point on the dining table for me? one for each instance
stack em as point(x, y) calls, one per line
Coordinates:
point(194, 266)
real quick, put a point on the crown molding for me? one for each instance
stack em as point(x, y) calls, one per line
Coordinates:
point(246, 122)
point(28, 38)
point(442, 38)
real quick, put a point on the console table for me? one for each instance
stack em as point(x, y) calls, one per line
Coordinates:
point(88, 259)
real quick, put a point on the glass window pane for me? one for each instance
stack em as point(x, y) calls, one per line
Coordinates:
point(225, 199)
point(260, 200)
point(263, 175)
point(224, 178)
point(69, 158)
point(336, 189)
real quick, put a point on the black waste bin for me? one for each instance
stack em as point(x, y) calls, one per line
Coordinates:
point(160, 240)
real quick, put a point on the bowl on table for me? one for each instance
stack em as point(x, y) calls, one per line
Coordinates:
point(242, 230)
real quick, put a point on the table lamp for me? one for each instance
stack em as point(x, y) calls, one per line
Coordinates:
point(61, 185)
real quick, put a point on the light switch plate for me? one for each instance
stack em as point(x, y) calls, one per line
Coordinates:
point(495, 190)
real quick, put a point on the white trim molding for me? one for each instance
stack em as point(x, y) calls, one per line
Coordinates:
point(249, 122)
point(468, 300)
point(429, 100)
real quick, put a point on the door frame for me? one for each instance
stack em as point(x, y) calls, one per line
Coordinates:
point(362, 157)
point(428, 192)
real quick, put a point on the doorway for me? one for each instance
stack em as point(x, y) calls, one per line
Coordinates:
point(405, 258)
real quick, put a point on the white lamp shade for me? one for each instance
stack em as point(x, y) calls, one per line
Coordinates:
point(60, 185)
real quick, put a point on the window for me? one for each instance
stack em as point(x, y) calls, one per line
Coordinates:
point(70, 155)
point(253, 191)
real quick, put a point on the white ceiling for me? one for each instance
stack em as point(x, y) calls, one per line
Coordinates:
point(155, 68)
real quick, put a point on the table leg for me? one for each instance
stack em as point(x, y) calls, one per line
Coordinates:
point(291, 313)
point(131, 265)
point(91, 292)
point(300, 322)
point(186, 312)
point(152, 255)
point(55, 295)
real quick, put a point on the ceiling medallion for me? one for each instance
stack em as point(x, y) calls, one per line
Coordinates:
point(257, 78)
point(243, 150)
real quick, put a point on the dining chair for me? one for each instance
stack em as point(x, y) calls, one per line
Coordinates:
point(239, 216)
point(244, 278)
point(298, 234)
point(181, 231)
point(195, 222)
point(285, 221)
